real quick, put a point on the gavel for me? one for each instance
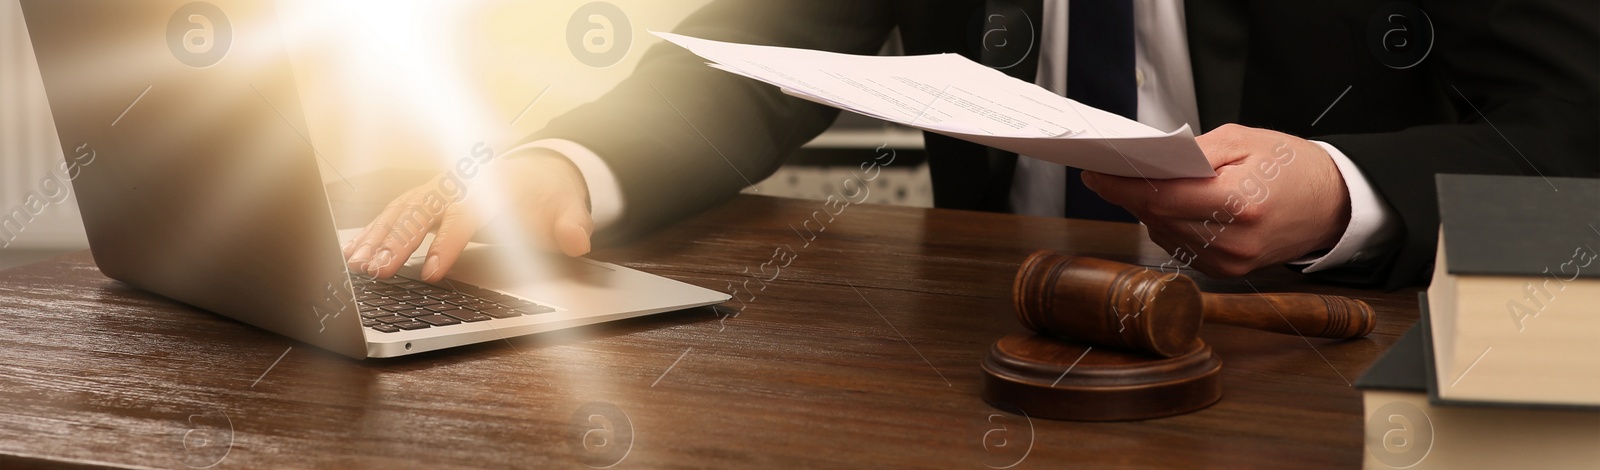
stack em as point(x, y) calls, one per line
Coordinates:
point(1137, 308)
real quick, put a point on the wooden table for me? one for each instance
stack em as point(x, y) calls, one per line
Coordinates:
point(863, 352)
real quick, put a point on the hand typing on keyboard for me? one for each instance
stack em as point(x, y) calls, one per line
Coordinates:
point(538, 197)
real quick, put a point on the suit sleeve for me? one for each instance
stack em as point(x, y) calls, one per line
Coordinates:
point(1525, 81)
point(681, 137)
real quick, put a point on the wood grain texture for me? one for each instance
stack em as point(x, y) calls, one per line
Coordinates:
point(1049, 377)
point(1137, 308)
point(1317, 316)
point(1106, 303)
point(862, 351)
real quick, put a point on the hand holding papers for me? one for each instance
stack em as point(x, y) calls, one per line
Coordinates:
point(951, 95)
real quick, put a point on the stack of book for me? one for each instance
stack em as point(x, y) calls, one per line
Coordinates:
point(1503, 368)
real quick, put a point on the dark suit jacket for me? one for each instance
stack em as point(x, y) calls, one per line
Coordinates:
point(1509, 87)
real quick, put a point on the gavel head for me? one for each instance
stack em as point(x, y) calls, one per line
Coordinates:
point(1108, 303)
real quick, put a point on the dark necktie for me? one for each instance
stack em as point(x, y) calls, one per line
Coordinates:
point(1100, 73)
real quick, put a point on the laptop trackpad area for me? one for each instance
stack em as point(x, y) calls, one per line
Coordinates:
point(504, 266)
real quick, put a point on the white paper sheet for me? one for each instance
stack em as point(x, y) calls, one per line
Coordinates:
point(950, 95)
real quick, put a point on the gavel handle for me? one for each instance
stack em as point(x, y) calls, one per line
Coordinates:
point(1318, 316)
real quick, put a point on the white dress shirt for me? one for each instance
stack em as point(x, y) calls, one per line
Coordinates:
point(1166, 96)
point(1166, 101)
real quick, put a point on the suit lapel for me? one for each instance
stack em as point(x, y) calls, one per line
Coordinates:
point(1011, 23)
point(1218, 50)
point(1002, 165)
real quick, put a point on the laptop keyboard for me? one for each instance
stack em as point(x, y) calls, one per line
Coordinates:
point(400, 304)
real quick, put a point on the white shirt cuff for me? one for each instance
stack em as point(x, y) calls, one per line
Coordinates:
point(605, 195)
point(1373, 225)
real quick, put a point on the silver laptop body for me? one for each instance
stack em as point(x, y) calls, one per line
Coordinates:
point(188, 150)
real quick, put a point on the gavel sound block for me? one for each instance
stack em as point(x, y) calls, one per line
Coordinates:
point(1118, 342)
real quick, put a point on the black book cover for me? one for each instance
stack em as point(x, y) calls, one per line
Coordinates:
point(1519, 225)
point(1403, 366)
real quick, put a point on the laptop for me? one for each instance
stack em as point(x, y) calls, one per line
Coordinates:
point(187, 147)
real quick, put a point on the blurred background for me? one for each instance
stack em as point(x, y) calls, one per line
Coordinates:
point(406, 84)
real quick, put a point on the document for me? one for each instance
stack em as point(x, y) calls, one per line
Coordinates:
point(950, 95)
